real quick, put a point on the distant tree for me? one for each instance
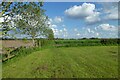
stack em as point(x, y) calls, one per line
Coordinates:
point(84, 38)
point(50, 34)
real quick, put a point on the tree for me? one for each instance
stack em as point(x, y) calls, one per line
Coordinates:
point(4, 15)
point(5, 7)
point(28, 17)
point(32, 21)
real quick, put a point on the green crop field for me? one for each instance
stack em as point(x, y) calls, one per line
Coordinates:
point(78, 62)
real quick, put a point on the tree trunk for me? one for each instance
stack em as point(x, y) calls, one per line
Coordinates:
point(33, 42)
point(40, 44)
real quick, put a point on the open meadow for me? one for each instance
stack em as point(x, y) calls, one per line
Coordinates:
point(43, 39)
point(72, 62)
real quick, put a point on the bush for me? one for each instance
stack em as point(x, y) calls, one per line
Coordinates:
point(21, 52)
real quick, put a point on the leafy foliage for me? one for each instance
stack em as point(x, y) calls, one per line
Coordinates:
point(25, 18)
point(88, 42)
point(32, 21)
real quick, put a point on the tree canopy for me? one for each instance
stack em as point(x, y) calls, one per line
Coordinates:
point(28, 17)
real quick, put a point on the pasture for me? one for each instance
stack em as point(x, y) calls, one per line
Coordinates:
point(71, 62)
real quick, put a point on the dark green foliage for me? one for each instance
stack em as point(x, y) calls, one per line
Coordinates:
point(109, 41)
point(21, 51)
point(86, 42)
point(44, 43)
point(24, 50)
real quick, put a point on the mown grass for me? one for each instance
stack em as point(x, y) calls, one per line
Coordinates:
point(79, 62)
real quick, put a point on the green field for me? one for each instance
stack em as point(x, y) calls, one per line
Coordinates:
point(82, 62)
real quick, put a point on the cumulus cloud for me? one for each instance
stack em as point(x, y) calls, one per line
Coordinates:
point(54, 27)
point(86, 11)
point(83, 10)
point(107, 27)
point(55, 31)
point(93, 18)
point(112, 13)
point(58, 32)
point(111, 10)
point(58, 19)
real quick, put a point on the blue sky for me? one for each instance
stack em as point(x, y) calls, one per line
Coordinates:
point(80, 19)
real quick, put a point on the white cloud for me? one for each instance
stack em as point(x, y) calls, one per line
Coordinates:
point(112, 13)
point(83, 10)
point(78, 34)
point(93, 18)
point(64, 29)
point(54, 26)
point(61, 30)
point(58, 19)
point(86, 11)
point(107, 27)
point(113, 16)
point(51, 25)
point(88, 29)
point(55, 31)
point(97, 34)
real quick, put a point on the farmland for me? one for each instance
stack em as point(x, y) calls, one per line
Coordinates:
point(40, 40)
point(78, 62)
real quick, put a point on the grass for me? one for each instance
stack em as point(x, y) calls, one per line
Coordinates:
point(79, 62)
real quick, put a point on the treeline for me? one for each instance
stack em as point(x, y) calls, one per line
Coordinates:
point(44, 43)
point(87, 42)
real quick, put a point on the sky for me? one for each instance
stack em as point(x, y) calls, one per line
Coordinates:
point(83, 19)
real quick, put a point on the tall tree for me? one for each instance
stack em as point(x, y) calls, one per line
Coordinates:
point(32, 20)
point(28, 17)
point(5, 19)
